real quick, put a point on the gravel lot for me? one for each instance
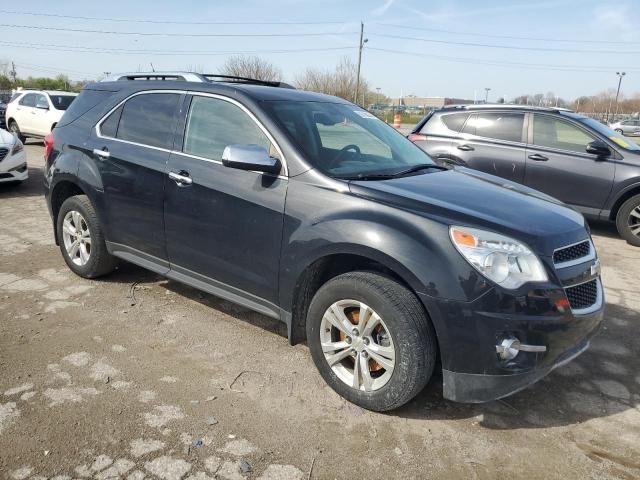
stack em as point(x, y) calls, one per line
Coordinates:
point(133, 376)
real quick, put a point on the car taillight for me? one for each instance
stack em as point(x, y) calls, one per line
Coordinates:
point(48, 146)
point(417, 137)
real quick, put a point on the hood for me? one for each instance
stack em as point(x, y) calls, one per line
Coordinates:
point(467, 197)
point(6, 138)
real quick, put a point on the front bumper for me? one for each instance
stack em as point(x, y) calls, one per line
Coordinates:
point(13, 168)
point(468, 334)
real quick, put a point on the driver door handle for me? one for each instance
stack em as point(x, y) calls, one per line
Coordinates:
point(182, 178)
point(104, 154)
point(538, 158)
point(464, 147)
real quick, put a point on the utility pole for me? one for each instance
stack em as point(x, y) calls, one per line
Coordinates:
point(360, 47)
point(13, 73)
point(620, 75)
point(486, 94)
point(378, 97)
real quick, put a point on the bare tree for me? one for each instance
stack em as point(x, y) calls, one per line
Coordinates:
point(340, 82)
point(252, 67)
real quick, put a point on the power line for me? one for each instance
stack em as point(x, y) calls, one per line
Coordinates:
point(508, 37)
point(31, 66)
point(122, 51)
point(173, 34)
point(170, 22)
point(507, 47)
point(475, 61)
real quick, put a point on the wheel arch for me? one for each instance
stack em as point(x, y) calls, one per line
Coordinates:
point(62, 190)
point(626, 195)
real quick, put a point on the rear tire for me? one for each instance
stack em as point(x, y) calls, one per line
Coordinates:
point(13, 128)
point(628, 221)
point(403, 335)
point(81, 239)
point(619, 130)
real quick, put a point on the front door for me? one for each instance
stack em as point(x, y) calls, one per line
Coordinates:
point(131, 152)
point(559, 165)
point(224, 225)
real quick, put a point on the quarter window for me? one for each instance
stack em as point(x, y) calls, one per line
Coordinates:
point(499, 126)
point(213, 124)
point(454, 121)
point(551, 132)
point(148, 119)
point(109, 128)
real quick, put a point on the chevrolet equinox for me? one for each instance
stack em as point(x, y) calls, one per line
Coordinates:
point(310, 210)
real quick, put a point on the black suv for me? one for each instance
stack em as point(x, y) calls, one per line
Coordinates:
point(310, 210)
point(571, 157)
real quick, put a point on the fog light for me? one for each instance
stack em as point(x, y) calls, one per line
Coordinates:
point(510, 347)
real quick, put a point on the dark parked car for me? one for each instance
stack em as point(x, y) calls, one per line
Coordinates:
point(310, 210)
point(573, 158)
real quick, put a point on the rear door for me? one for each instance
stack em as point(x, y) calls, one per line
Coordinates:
point(493, 142)
point(224, 228)
point(558, 164)
point(131, 148)
point(25, 113)
point(438, 133)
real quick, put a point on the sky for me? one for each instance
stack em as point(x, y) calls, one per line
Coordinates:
point(450, 48)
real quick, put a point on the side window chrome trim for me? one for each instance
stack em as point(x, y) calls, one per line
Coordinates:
point(252, 117)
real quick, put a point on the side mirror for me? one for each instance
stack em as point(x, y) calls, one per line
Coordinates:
point(599, 148)
point(250, 157)
point(42, 106)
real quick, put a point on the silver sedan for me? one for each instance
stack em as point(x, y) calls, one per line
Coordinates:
point(627, 127)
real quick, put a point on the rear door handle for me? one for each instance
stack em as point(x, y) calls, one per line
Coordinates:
point(182, 178)
point(538, 158)
point(104, 154)
point(465, 148)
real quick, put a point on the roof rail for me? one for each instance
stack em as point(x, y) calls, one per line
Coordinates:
point(192, 77)
point(506, 106)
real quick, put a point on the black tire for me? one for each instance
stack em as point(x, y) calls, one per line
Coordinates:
point(15, 129)
point(627, 222)
point(100, 262)
point(411, 331)
point(619, 130)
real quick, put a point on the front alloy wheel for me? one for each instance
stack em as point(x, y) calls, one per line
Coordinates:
point(628, 220)
point(357, 345)
point(76, 237)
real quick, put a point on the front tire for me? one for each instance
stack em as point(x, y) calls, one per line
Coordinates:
point(371, 340)
point(628, 221)
point(619, 130)
point(81, 239)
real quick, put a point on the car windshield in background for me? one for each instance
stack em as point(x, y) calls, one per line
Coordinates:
point(62, 102)
point(611, 134)
point(345, 141)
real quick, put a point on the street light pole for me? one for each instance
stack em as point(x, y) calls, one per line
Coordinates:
point(378, 97)
point(486, 94)
point(620, 75)
point(360, 47)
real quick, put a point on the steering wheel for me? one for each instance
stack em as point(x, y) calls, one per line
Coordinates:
point(341, 153)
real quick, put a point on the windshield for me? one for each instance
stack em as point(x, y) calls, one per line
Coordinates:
point(62, 102)
point(344, 141)
point(612, 135)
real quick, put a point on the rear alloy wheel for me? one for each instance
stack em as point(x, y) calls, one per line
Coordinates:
point(371, 340)
point(13, 128)
point(628, 221)
point(76, 237)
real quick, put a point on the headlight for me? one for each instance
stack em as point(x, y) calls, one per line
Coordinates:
point(501, 259)
point(17, 148)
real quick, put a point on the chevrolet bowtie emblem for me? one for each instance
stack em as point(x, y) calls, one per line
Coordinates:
point(595, 268)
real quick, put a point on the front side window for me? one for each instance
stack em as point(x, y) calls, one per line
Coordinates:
point(149, 119)
point(552, 132)
point(29, 100)
point(41, 101)
point(499, 126)
point(213, 124)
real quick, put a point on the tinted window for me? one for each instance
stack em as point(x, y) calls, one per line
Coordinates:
point(149, 119)
point(500, 126)
point(622, 141)
point(29, 100)
point(41, 101)
point(551, 132)
point(454, 121)
point(213, 124)
point(82, 104)
point(61, 102)
point(109, 128)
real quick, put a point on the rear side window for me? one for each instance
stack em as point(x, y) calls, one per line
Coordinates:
point(213, 124)
point(454, 121)
point(29, 100)
point(81, 104)
point(62, 102)
point(499, 126)
point(149, 119)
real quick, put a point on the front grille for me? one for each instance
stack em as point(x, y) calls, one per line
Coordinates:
point(583, 296)
point(573, 252)
point(3, 153)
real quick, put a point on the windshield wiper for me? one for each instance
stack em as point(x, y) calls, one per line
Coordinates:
point(407, 171)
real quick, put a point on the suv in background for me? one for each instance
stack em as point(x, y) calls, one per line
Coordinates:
point(34, 113)
point(571, 157)
point(627, 127)
point(308, 209)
